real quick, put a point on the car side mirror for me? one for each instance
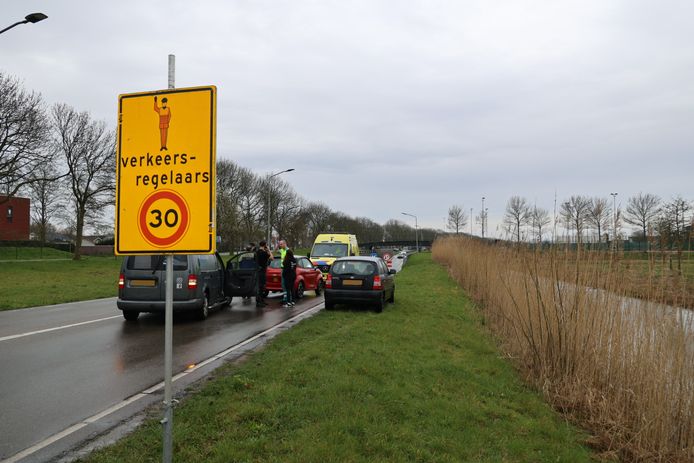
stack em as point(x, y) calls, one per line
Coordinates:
point(392, 271)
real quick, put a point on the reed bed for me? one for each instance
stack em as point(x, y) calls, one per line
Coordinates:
point(621, 367)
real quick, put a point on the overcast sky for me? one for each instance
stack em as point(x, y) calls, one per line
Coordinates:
point(391, 106)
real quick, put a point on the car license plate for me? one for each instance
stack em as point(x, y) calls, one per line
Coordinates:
point(148, 283)
point(351, 283)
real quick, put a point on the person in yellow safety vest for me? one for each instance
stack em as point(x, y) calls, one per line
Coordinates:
point(286, 286)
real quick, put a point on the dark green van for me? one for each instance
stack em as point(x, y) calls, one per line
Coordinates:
point(198, 284)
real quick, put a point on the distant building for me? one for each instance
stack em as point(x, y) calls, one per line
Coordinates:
point(14, 218)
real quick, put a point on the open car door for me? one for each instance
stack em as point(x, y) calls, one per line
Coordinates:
point(241, 275)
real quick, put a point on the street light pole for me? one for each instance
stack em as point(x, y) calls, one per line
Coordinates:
point(614, 219)
point(482, 214)
point(416, 228)
point(30, 18)
point(470, 221)
point(269, 189)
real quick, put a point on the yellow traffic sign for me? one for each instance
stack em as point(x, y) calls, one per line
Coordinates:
point(165, 174)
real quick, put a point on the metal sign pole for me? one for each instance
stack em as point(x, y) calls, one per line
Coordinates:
point(168, 331)
point(168, 360)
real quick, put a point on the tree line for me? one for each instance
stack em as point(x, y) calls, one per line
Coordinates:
point(64, 161)
point(657, 223)
point(244, 199)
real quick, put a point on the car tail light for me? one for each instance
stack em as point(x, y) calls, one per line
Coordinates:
point(121, 281)
point(192, 281)
point(329, 281)
point(377, 282)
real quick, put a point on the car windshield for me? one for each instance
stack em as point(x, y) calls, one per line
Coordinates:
point(329, 250)
point(353, 267)
point(156, 262)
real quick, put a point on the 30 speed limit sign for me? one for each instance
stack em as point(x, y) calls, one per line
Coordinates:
point(163, 218)
point(165, 176)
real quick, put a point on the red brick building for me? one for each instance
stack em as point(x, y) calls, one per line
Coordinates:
point(14, 218)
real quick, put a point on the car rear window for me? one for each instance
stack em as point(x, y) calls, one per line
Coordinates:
point(275, 263)
point(155, 262)
point(353, 267)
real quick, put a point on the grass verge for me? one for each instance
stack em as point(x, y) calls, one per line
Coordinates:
point(29, 284)
point(20, 253)
point(421, 382)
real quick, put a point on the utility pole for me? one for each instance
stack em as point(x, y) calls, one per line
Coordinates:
point(614, 218)
point(416, 228)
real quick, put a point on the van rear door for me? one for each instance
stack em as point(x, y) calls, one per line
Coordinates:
point(143, 278)
point(241, 275)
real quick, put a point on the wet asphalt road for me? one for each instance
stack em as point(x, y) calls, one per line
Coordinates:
point(52, 380)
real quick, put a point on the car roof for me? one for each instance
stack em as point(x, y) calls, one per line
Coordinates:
point(360, 258)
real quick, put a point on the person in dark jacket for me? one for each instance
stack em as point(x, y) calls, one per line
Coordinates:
point(288, 277)
point(263, 256)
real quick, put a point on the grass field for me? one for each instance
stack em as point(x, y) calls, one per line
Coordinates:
point(23, 253)
point(57, 278)
point(29, 284)
point(421, 382)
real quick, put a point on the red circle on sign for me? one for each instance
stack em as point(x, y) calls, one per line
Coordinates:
point(180, 231)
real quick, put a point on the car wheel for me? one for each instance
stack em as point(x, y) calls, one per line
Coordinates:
point(300, 290)
point(131, 315)
point(329, 305)
point(204, 311)
point(319, 288)
point(227, 302)
point(265, 293)
point(381, 303)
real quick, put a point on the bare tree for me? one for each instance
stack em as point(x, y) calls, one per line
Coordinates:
point(317, 218)
point(599, 215)
point(46, 200)
point(286, 204)
point(396, 230)
point(227, 203)
point(457, 219)
point(516, 215)
point(251, 205)
point(677, 218)
point(575, 212)
point(481, 219)
point(367, 230)
point(641, 211)
point(24, 135)
point(539, 219)
point(88, 150)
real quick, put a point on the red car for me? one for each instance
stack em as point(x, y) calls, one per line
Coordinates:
point(308, 277)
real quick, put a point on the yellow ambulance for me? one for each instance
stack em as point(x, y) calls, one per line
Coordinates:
point(329, 246)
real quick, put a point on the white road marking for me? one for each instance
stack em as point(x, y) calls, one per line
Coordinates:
point(48, 330)
point(74, 428)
